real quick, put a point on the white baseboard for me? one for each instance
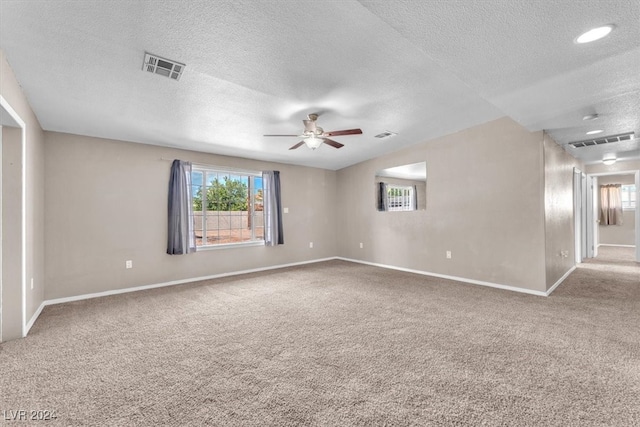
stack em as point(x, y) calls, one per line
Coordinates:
point(164, 284)
point(456, 278)
point(617, 246)
point(274, 267)
point(560, 280)
point(34, 318)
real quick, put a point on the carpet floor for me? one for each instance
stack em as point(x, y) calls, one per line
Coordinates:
point(338, 344)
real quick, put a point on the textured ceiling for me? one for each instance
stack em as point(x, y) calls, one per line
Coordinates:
point(422, 69)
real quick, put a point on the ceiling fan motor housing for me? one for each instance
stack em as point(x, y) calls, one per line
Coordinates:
point(314, 135)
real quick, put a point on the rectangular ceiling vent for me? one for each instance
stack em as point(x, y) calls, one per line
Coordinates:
point(386, 134)
point(164, 67)
point(604, 140)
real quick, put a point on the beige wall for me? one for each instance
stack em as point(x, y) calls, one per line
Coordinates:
point(623, 234)
point(558, 213)
point(34, 161)
point(11, 233)
point(484, 203)
point(124, 185)
point(497, 197)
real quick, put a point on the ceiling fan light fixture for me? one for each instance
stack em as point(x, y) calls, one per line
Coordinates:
point(313, 135)
point(609, 160)
point(313, 142)
point(594, 34)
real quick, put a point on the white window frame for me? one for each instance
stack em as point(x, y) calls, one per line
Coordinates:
point(628, 205)
point(406, 199)
point(207, 169)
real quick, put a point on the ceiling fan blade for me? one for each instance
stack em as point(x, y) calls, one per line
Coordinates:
point(332, 143)
point(297, 145)
point(343, 132)
point(309, 125)
point(283, 135)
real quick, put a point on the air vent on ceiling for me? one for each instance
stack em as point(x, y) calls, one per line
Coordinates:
point(386, 134)
point(603, 140)
point(164, 67)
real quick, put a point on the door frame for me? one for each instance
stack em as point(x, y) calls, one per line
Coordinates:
point(13, 119)
point(591, 225)
point(580, 214)
point(636, 173)
point(1, 240)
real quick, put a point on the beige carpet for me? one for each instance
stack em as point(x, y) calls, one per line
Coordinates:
point(339, 344)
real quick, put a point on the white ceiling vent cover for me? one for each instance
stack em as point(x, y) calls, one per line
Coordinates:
point(165, 67)
point(385, 134)
point(604, 140)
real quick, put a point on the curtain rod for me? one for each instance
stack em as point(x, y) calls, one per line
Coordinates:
point(219, 168)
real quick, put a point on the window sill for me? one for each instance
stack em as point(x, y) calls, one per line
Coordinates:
point(230, 245)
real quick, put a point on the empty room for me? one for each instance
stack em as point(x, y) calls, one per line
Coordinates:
point(320, 213)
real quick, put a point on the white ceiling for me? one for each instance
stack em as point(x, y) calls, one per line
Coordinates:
point(422, 69)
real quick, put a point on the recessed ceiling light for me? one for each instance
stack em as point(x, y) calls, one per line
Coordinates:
point(593, 132)
point(590, 117)
point(594, 34)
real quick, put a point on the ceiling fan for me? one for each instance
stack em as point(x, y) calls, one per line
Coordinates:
point(314, 135)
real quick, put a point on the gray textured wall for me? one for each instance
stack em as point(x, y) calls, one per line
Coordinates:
point(34, 196)
point(484, 203)
point(124, 187)
point(558, 212)
point(11, 234)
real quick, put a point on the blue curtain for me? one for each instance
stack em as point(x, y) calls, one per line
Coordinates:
point(181, 238)
point(273, 234)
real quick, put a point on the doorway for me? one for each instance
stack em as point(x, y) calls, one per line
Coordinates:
point(13, 291)
point(592, 229)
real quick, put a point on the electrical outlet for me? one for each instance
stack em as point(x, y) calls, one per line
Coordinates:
point(310, 245)
point(286, 210)
point(448, 254)
point(129, 264)
point(361, 245)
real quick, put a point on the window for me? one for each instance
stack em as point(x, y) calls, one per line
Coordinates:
point(227, 207)
point(629, 196)
point(400, 198)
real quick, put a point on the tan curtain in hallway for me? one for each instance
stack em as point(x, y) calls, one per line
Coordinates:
point(611, 204)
